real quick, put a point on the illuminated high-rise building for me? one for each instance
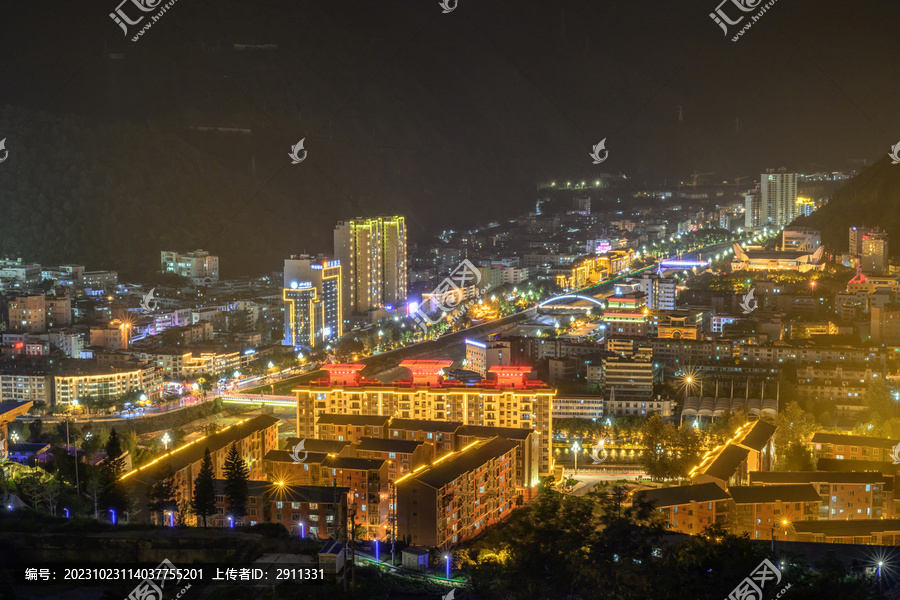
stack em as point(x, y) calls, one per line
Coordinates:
point(373, 254)
point(874, 252)
point(778, 197)
point(312, 301)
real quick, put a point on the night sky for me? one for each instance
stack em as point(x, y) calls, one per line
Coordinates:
point(451, 119)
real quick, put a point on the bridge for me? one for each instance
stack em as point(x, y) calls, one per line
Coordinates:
point(545, 303)
point(280, 401)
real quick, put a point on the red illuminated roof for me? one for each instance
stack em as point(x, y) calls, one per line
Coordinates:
point(516, 370)
point(425, 367)
point(343, 367)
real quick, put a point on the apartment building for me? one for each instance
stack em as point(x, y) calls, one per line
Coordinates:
point(629, 377)
point(509, 399)
point(351, 427)
point(367, 478)
point(198, 266)
point(402, 456)
point(254, 436)
point(458, 496)
point(863, 495)
point(767, 512)
point(77, 379)
point(28, 384)
point(306, 511)
point(851, 447)
point(481, 356)
point(798, 354)
point(690, 508)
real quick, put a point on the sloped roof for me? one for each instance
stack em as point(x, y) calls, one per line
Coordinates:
point(758, 435)
point(684, 494)
point(359, 420)
point(854, 440)
point(725, 462)
point(425, 425)
point(440, 474)
point(389, 445)
point(782, 477)
point(803, 492)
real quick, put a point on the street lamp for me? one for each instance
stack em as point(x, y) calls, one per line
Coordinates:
point(112, 516)
point(166, 440)
point(447, 557)
point(575, 448)
point(15, 437)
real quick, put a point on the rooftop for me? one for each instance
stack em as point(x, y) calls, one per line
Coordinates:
point(803, 492)
point(781, 477)
point(853, 440)
point(854, 527)
point(425, 425)
point(186, 455)
point(388, 445)
point(450, 466)
point(685, 494)
point(510, 433)
point(361, 420)
point(324, 494)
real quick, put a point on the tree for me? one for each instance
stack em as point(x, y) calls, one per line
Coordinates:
point(161, 495)
point(797, 457)
point(113, 445)
point(204, 500)
point(659, 441)
point(114, 495)
point(689, 450)
point(794, 426)
point(236, 476)
point(34, 430)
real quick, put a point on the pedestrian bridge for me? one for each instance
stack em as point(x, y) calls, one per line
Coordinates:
point(283, 401)
point(565, 301)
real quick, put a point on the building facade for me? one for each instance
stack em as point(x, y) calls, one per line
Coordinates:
point(509, 400)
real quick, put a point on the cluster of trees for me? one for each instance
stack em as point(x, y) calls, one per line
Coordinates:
point(100, 489)
point(237, 474)
point(669, 452)
point(598, 546)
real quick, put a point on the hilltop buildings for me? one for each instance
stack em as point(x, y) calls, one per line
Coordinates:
point(198, 266)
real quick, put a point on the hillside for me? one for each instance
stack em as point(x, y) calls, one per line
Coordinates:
point(872, 198)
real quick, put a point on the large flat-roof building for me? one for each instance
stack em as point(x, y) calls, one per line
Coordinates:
point(508, 400)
